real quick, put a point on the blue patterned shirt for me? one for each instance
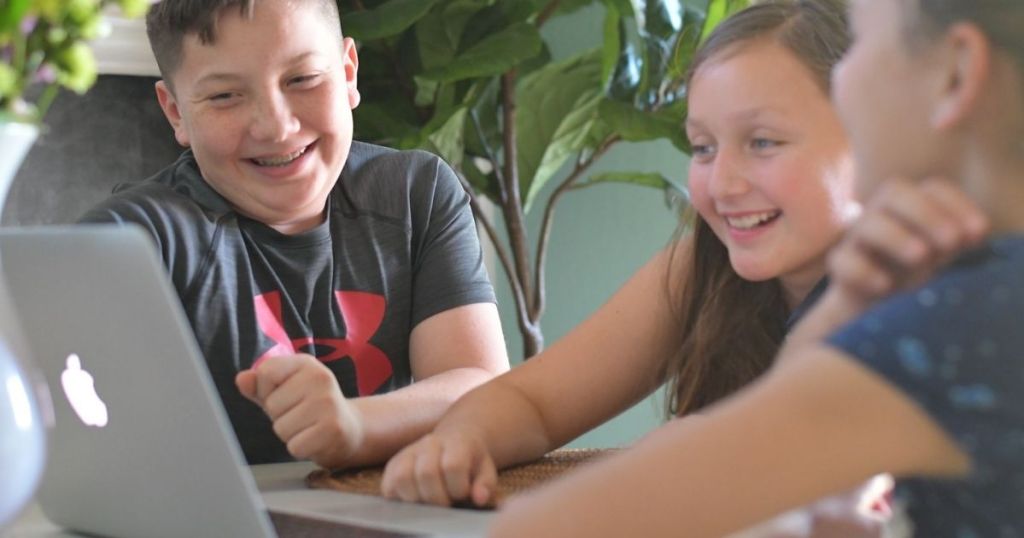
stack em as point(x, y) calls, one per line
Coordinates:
point(956, 347)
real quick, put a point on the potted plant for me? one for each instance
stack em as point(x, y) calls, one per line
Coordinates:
point(42, 48)
point(472, 80)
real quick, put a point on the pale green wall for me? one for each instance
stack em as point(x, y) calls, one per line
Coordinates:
point(600, 237)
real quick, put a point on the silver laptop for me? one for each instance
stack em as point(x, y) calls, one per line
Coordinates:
point(140, 445)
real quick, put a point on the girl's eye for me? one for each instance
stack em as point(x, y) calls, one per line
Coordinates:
point(763, 143)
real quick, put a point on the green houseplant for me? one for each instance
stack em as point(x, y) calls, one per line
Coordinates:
point(472, 80)
point(42, 48)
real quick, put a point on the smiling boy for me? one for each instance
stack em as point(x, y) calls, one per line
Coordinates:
point(320, 275)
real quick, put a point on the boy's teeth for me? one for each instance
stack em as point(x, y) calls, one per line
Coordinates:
point(747, 222)
point(280, 161)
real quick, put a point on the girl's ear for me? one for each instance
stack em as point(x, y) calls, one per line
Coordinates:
point(967, 65)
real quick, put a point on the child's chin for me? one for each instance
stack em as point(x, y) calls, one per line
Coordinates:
point(753, 270)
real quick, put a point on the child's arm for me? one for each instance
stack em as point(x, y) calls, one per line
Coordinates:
point(810, 428)
point(600, 368)
point(453, 352)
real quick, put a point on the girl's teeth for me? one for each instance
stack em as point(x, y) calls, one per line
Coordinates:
point(280, 161)
point(751, 221)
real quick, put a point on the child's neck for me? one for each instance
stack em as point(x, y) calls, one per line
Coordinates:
point(995, 181)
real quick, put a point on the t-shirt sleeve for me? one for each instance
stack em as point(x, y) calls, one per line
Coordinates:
point(955, 348)
point(180, 231)
point(448, 261)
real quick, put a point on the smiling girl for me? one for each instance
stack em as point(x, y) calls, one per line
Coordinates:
point(772, 185)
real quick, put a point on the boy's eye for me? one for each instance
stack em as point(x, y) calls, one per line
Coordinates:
point(703, 151)
point(221, 97)
point(304, 80)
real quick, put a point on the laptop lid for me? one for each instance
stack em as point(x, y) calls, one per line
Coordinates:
point(140, 445)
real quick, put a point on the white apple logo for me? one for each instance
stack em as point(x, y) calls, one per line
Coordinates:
point(79, 388)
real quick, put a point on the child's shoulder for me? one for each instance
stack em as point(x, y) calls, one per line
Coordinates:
point(975, 303)
point(373, 163)
point(176, 193)
point(391, 182)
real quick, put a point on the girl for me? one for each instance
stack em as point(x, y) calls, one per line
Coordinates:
point(771, 179)
point(924, 384)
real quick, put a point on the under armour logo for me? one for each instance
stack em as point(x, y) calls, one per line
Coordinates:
point(362, 312)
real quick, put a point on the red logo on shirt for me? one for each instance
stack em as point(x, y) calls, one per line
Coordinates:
point(362, 312)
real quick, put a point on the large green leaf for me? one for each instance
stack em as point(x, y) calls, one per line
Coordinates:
point(719, 10)
point(612, 42)
point(492, 56)
point(388, 19)
point(439, 33)
point(637, 125)
point(557, 107)
point(435, 48)
point(448, 141)
point(495, 19)
point(385, 122)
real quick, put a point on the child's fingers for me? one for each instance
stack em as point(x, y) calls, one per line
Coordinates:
point(856, 271)
point(398, 476)
point(969, 219)
point(890, 241)
point(485, 482)
point(290, 423)
point(272, 372)
point(306, 379)
point(246, 383)
point(304, 443)
point(456, 465)
point(429, 478)
point(938, 212)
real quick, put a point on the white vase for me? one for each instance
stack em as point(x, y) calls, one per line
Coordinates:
point(22, 428)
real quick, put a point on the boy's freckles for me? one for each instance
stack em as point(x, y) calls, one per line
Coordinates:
point(266, 109)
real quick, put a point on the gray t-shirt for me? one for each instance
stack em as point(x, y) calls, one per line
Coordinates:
point(398, 246)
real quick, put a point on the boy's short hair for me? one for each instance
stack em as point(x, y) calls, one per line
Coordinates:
point(169, 21)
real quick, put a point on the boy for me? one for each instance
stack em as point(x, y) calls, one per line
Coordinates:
point(313, 269)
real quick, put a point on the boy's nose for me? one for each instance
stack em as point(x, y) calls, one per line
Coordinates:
point(273, 120)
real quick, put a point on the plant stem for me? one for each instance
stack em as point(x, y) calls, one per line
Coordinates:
point(566, 185)
point(547, 12)
point(46, 99)
point(512, 208)
point(499, 248)
point(490, 153)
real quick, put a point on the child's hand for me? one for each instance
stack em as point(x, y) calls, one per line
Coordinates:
point(442, 468)
point(906, 232)
point(310, 414)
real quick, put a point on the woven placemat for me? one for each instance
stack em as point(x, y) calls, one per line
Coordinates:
point(515, 479)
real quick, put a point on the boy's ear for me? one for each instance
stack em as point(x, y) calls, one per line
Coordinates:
point(968, 65)
point(171, 110)
point(350, 59)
